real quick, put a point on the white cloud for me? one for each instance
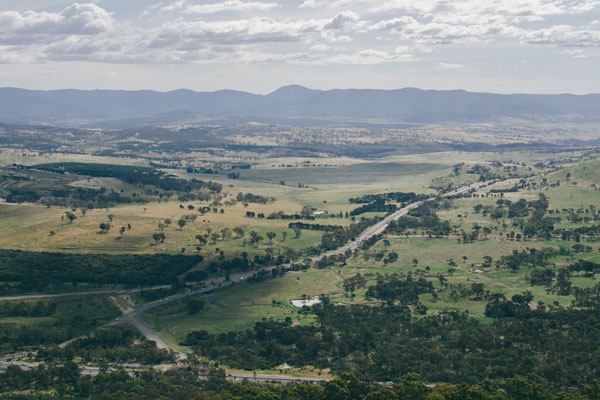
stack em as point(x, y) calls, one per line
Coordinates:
point(310, 4)
point(33, 36)
point(186, 31)
point(441, 33)
point(576, 53)
point(76, 19)
point(320, 47)
point(444, 65)
point(563, 35)
point(343, 20)
point(522, 10)
point(371, 56)
point(253, 30)
point(231, 5)
point(440, 21)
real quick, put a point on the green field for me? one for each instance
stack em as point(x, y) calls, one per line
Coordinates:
point(329, 183)
point(370, 173)
point(240, 306)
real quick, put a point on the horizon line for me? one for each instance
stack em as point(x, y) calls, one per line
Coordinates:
point(301, 87)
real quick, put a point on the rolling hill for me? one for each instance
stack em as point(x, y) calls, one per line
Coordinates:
point(288, 105)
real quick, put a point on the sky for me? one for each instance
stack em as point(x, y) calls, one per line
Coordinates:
point(501, 46)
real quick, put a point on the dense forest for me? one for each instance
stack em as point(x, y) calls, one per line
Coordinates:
point(390, 340)
point(400, 197)
point(422, 218)
point(73, 197)
point(33, 271)
point(131, 174)
point(120, 344)
point(183, 384)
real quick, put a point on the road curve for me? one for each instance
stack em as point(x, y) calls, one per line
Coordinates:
point(134, 316)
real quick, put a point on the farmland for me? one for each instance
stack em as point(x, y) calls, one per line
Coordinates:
point(196, 245)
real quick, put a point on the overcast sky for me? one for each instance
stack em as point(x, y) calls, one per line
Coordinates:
point(534, 46)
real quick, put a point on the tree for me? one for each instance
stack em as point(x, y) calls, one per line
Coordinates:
point(214, 237)
point(104, 227)
point(226, 233)
point(158, 237)
point(297, 232)
point(181, 223)
point(122, 231)
point(239, 231)
point(487, 261)
point(284, 234)
point(335, 390)
point(110, 217)
point(255, 238)
point(201, 239)
point(477, 290)
point(71, 217)
point(386, 244)
point(563, 282)
point(271, 235)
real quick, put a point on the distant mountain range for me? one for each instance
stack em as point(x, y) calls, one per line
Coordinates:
point(293, 105)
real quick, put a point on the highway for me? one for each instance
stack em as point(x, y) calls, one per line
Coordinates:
point(380, 226)
point(134, 317)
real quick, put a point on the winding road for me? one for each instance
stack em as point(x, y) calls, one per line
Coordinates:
point(134, 316)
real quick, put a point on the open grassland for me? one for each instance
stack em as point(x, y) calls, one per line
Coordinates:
point(238, 307)
point(463, 216)
point(336, 184)
point(572, 196)
point(328, 189)
point(29, 227)
point(529, 157)
point(23, 157)
point(365, 173)
point(38, 228)
point(435, 253)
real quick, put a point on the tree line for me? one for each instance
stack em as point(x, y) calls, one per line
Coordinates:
point(61, 382)
point(27, 270)
point(135, 175)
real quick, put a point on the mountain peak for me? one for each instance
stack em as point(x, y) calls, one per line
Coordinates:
point(292, 93)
